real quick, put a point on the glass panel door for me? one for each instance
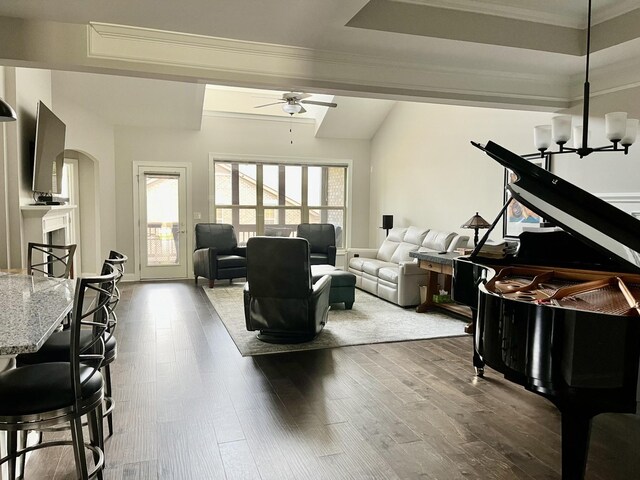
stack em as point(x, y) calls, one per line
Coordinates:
point(162, 223)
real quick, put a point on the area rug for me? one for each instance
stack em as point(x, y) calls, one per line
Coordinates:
point(371, 320)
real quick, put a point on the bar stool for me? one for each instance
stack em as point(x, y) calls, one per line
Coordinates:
point(57, 260)
point(40, 396)
point(56, 348)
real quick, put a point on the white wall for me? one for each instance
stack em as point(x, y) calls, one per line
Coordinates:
point(23, 88)
point(232, 135)
point(91, 136)
point(425, 172)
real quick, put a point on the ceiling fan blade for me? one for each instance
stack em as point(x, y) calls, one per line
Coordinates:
point(323, 104)
point(294, 96)
point(302, 109)
point(269, 104)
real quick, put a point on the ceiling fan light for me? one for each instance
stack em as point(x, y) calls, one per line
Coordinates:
point(615, 125)
point(292, 108)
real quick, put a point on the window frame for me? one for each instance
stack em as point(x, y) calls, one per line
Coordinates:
point(260, 207)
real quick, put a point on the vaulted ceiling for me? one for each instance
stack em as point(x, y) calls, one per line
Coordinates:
point(515, 53)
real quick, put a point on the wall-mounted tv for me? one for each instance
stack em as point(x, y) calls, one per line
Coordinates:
point(48, 157)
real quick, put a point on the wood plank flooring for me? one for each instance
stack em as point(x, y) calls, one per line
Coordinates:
point(188, 406)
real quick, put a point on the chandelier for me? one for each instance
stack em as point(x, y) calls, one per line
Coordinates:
point(620, 130)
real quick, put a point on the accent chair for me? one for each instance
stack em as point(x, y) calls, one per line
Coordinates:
point(280, 298)
point(322, 242)
point(217, 255)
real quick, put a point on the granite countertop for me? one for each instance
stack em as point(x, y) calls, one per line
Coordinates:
point(435, 257)
point(30, 310)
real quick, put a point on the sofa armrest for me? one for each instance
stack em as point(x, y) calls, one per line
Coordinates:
point(240, 251)
point(359, 252)
point(411, 268)
point(459, 241)
point(331, 255)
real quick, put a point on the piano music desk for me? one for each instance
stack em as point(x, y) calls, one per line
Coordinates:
point(436, 264)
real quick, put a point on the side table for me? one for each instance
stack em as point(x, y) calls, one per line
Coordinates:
point(435, 264)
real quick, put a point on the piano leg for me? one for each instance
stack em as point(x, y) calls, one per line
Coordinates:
point(576, 430)
point(478, 362)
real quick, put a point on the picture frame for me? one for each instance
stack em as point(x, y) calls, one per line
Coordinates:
point(517, 217)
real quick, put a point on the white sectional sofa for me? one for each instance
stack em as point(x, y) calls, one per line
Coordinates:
point(389, 272)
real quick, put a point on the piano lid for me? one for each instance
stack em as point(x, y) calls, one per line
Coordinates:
point(594, 221)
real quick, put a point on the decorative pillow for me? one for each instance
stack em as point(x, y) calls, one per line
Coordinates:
point(402, 252)
point(439, 241)
point(415, 235)
point(386, 250)
point(397, 234)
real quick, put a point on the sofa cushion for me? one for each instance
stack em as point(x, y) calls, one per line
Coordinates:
point(390, 274)
point(402, 252)
point(371, 266)
point(386, 250)
point(415, 235)
point(356, 263)
point(439, 241)
point(397, 234)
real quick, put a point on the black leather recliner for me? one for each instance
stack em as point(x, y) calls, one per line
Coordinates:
point(322, 241)
point(217, 255)
point(280, 298)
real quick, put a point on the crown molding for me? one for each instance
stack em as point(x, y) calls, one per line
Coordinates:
point(297, 66)
point(607, 79)
point(620, 7)
point(506, 11)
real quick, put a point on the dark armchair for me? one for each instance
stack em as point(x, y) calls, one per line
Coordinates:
point(280, 298)
point(217, 255)
point(322, 241)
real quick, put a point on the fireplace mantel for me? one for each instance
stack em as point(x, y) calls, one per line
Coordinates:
point(39, 221)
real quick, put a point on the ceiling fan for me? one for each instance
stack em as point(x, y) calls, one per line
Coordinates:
point(291, 103)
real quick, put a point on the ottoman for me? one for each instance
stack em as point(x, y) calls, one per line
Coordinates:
point(342, 284)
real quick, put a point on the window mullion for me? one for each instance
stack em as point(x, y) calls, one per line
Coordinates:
point(259, 200)
point(305, 194)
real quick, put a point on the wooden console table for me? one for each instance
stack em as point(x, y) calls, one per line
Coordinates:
point(435, 264)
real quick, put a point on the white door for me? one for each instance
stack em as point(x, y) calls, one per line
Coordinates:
point(163, 215)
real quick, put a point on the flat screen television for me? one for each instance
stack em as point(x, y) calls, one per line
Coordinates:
point(48, 156)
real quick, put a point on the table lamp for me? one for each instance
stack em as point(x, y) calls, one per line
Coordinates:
point(476, 222)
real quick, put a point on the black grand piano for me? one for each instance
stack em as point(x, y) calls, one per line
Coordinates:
point(562, 316)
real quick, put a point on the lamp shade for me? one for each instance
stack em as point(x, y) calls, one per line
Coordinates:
point(615, 125)
point(387, 222)
point(7, 114)
point(561, 128)
point(542, 136)
point(476, 222)
point(292, 108)
point(631, 133)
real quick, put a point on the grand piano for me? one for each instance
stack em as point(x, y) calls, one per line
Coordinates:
point(560, 317)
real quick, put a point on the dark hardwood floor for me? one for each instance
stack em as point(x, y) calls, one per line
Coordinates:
point(190, 407)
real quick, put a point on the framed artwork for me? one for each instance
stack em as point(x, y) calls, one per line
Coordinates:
point(517, 216)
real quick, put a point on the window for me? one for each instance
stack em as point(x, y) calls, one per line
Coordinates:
point(272, 199)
